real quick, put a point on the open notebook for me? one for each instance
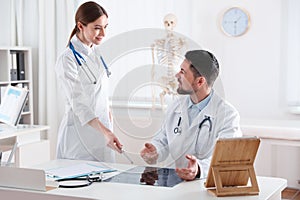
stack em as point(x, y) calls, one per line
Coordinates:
point(12, 105)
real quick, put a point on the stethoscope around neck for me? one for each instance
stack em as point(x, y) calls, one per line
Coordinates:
point(88, 72)
point(178, 129)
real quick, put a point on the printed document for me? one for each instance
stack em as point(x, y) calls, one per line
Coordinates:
point(77, 170)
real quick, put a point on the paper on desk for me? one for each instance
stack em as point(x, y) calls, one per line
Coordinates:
point(77, 170)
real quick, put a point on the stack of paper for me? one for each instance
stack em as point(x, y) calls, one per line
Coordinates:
point(77, 170)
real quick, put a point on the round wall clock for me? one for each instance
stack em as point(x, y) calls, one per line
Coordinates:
point(235, 21)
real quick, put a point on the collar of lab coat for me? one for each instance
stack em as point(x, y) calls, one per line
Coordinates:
point(209, 110)
point(81, 47)
point(202, 104)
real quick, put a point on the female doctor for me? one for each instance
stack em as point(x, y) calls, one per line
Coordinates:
point(194, 122)
point(86, 129)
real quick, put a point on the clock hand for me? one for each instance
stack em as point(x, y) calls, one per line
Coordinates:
point(236, 21)
point(235, 28)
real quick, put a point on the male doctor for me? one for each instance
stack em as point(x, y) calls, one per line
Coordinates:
point(194, 121)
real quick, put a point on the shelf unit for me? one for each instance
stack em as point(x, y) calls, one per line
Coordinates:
point(30, 138)
point(8, 56)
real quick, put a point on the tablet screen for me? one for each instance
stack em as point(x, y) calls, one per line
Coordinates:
point(154, 176)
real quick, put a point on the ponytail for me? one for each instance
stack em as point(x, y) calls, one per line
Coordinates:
point(73, 33)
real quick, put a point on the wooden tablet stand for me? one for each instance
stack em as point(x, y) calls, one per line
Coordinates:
point(231, 167)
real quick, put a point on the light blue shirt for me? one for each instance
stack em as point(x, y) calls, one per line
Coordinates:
point(195, 109)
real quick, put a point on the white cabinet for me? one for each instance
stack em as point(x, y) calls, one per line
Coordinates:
point(279, 151)
point(33, 148)
point(16, 70)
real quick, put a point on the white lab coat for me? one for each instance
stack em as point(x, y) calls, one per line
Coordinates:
point(84, 102)
point(225, 123)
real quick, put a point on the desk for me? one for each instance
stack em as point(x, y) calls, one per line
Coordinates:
point(270, 188)
point(30, 139)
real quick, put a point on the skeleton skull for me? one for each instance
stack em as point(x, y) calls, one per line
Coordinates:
point(170, 21)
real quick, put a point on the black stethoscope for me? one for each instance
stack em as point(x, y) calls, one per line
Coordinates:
point(178, 129)
point(83, 181)
point(79, 57)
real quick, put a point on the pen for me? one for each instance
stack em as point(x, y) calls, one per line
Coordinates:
point(51, 175)
point(126, 156)
point(0, 157)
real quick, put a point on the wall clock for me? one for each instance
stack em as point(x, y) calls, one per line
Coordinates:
point(235, 21)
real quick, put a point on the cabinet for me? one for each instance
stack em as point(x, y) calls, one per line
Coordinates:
point(16, 70)
point(279, 151)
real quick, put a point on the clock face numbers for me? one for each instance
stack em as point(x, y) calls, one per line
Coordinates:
point(235, 22)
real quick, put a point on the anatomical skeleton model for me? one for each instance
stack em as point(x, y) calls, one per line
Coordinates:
point(167, 51)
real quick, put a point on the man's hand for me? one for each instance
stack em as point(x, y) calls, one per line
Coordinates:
point(149, 153)
point(191, 171)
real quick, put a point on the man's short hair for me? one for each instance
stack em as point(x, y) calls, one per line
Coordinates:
point(205, 63)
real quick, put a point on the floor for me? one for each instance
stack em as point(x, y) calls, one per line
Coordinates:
point(290, 193)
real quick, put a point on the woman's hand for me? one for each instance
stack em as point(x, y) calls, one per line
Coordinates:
point(113, 142)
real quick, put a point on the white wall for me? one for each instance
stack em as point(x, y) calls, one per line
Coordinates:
point(250, 63)
point(5, 21)
point(252, 68)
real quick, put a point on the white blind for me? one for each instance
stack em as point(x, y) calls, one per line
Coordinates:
point(292, 25)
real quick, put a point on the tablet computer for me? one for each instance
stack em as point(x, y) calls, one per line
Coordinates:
point(154, 176)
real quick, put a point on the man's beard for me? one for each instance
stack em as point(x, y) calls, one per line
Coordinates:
point(183, 91)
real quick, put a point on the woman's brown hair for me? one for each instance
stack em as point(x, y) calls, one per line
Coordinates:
point(87, 13)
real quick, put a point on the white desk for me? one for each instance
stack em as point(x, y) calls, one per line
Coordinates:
point(30, 139)
point(270, 188)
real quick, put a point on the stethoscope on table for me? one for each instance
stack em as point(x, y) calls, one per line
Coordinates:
point(83, 181)
point(79, 57)
point(178, 129)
